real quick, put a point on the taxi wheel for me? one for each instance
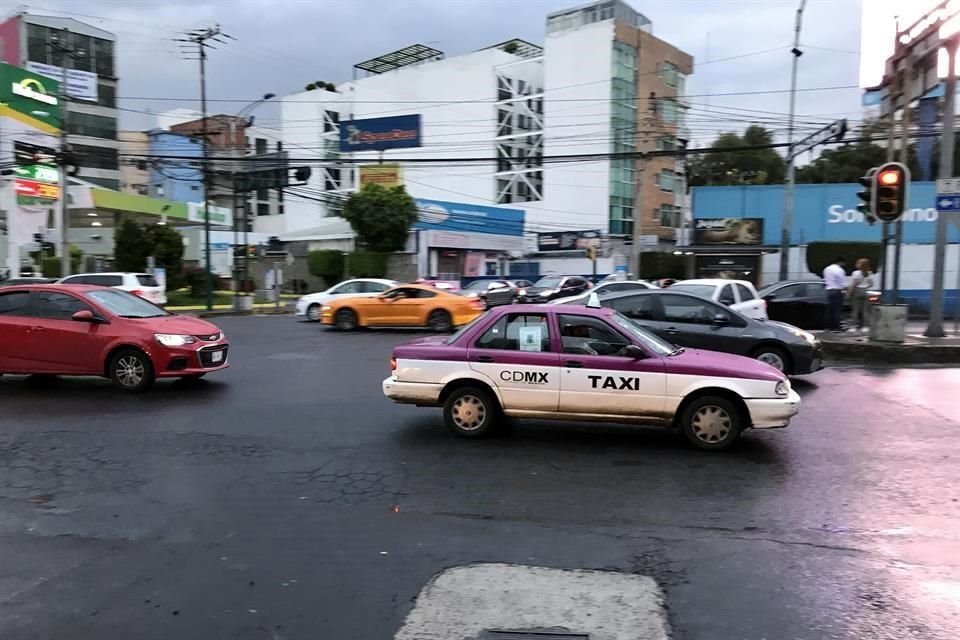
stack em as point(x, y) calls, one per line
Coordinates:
point(313, 313)
point(711, 423)
point(346, 320)
point(471, 412)
point(440, 321)
point(131, 370)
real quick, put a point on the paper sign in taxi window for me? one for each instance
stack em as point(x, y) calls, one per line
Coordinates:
point(530, 338)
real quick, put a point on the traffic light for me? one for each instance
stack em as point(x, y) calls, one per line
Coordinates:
point(591, 252)
point(866, 207)
point(890, 184)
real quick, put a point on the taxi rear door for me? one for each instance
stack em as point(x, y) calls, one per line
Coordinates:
point(517, 354)
point(595, 379)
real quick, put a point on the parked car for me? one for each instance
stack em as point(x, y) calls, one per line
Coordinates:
point(144, 285)
point(739, 295)
point(79, 330)
point(550, 287)
point(581, 363)
point(802, 303)
point(309, 306)
point(693, 321)
point(495, 292)
point(10, 282)
point(408, 305)
point(605, 288)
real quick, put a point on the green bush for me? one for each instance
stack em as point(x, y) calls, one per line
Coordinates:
point(51, 264)
point(368, 264)
point(326, 264)
point(821, 254)
point(195, 278)
point(655, 265)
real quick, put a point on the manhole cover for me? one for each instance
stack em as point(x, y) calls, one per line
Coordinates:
point(506, 634)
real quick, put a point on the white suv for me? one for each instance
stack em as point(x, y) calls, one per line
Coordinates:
point(140, 284)
point(739, 295)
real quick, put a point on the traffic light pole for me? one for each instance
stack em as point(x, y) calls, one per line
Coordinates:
point(935, 325)
point(898, 225)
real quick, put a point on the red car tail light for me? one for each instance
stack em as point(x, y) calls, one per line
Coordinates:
point(137, 292)
point(477, 303)
point(393, 364)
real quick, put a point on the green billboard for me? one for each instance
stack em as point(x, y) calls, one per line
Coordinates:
point(29, 94)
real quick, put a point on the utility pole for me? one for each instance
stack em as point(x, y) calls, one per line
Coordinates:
point(201, 39)
point(904, 157)
point(937, 295)
point(59, 44)
point(791, 167)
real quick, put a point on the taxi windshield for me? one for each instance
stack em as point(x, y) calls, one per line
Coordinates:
point(650, 340)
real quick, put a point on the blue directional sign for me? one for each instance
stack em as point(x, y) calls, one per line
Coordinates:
point(948, 202)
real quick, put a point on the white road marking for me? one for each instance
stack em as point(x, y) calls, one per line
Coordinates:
point(461, 602)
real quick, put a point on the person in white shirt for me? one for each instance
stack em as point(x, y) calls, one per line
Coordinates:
point(835, 278)
point(860, 284)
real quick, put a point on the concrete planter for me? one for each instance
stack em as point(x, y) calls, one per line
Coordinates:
point(243, 303)
point(889, 323)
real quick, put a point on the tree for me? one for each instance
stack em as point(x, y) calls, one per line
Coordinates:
point(726, 163)
point(167, 250)
point(381, 217)
point(134, 243)
point(131, 246)
point(326, 264)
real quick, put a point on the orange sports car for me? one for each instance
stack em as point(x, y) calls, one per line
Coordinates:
point(408, 305)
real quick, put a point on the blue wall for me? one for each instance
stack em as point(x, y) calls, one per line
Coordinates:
point(181, 180)
point(821, 212)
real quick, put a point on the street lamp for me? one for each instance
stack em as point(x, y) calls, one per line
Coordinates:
point(791, 169)
point(240, 149)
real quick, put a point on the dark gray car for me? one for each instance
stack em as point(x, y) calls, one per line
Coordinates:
point(691, 321)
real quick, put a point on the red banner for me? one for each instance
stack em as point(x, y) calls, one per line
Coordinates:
point(34, 189)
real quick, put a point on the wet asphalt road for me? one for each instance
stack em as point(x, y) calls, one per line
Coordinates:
point(287, 499)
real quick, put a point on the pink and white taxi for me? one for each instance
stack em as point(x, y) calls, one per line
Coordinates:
point(586, 364)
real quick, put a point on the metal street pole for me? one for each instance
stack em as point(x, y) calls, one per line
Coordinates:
point(791, 168)
point(63, 220)
point(898, 225)
point(935, 326)
point(208, 278)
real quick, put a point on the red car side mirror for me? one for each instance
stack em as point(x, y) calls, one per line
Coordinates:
point(84, 315)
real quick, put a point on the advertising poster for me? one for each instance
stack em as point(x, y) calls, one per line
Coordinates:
point(744, 231)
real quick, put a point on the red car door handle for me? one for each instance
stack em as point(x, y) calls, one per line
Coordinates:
point(37, 329)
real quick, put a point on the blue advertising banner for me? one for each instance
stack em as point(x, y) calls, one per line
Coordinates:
point(822, 212)
point(476, 218)
point(377, 134)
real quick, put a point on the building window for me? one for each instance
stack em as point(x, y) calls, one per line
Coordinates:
point(263, 194)
point(106, 95)
point(263, 208)
point(665, 180)
point(97, 157)
point(103, 57)
point(669, 73)
point(668, 110)
point(85, 124)
point(261, 146)
point(37, 48)
point(668, 215)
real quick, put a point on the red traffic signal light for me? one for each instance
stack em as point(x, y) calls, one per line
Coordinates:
point(889, 198)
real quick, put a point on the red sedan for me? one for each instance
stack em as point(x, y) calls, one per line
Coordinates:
point(79, 330)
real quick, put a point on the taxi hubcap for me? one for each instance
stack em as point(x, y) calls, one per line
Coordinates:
point(712, 424)
point(772, 359)
point(469, 412)
point(130, 371)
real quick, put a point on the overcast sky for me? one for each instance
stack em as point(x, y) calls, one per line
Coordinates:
point(283, 44)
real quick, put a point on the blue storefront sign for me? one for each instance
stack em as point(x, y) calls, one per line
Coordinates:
point(476, 218)
point(822, 212)
point(377, 134)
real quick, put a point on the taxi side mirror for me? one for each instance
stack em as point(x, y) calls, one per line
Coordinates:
point(635, 352)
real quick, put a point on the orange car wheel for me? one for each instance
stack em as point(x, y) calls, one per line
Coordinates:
point(346, 320)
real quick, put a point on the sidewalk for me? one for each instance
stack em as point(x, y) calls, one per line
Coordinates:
point(915, 349)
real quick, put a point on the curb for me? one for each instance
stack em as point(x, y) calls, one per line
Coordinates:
point(906, 353)
point(226, 313)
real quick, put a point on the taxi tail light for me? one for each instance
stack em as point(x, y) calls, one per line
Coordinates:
point(393, 364)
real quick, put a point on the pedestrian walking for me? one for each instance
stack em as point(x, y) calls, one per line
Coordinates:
point(835, 278)
point(860, 284)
